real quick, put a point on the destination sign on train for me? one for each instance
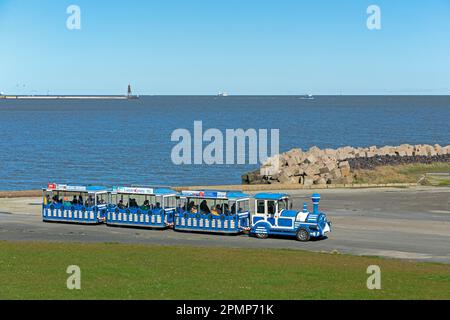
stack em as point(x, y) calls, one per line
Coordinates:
point(133, 190)
point(65, 187)
point(205, 194)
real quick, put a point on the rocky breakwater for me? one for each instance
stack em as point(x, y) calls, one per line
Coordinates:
point(335, 166)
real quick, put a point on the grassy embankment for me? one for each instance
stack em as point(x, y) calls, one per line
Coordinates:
point(411, 173)
point(113, 271)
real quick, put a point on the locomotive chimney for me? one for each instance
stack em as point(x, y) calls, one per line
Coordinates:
point(305, 208)
point(316, 200)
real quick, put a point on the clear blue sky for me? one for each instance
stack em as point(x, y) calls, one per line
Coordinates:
point(238, 46)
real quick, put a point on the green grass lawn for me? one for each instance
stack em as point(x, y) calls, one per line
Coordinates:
point(409, 173)
point(116, 271)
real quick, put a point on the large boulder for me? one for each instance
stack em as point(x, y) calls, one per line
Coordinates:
point(311, 159)
point(271, 166)
point(253, 178)
point(291, 161)
point(336, 173)
point(439, 150)
point(360, 153)
point(430, 151)
point(297, 156)
point(328, 167)
point(312, 170)
point(405, 150)
point(319, 180)
point(420, 150)
point(291, 171)
point(349, 152)
point(308, 181)
point(345, 171)
point(286, 179)
point(386, 151)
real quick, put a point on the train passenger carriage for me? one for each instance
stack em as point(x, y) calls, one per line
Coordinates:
point(74, 204)
point(273, 216)
point(212, 212)
point(141, 207)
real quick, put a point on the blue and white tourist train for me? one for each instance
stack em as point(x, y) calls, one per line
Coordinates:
point(75, 204)
point(274, 216)
point(141, 207)
point(207, 211)
point(212, 211)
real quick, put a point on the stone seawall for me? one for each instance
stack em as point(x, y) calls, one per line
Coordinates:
point(334, 166)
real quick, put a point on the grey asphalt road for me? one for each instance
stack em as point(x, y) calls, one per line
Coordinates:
point(411, 223)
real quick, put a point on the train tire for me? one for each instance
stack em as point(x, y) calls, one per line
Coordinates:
point(303, 235)
point(262, 235)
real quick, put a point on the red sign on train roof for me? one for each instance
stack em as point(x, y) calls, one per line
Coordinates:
point(51, 186)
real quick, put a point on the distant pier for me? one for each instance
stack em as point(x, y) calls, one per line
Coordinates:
point(12, 97)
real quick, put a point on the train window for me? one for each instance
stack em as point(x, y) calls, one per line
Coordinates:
point(195, 202)
point(69, 198)
point(192, 203)
point(230, 207)
point(221, 207)
point(159, 201)
point(125, 199)
point(114, 199)
point(271, 207)
point(151, 199)
point(140, 199)
point(283, 205)
point(169, 202)
point(102, 198)
point(90, 200)
point(243, 206)
point(55, 196)
point(63, 197)
point(261, 208)
point(47, 197)
point(182, 203)
point(206, 205)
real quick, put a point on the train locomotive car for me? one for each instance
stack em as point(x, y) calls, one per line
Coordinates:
point(273, 216)
point(141, 207)
point(212, 212)
point(74, 204)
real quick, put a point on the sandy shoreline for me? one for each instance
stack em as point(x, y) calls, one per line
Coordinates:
point(21, 194)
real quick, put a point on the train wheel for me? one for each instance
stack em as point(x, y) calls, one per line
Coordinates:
point(262, 235)
point(303, 235)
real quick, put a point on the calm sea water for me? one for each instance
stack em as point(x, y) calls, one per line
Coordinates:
point(128, 142)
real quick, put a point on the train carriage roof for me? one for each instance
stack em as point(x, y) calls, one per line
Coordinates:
point(165, 191)
point(271, 196)
point(144, 191)
point(96, 188)
point(214, 194)
point(75, 188)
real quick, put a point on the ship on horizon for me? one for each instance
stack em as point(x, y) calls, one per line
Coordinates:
point(308, 97)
